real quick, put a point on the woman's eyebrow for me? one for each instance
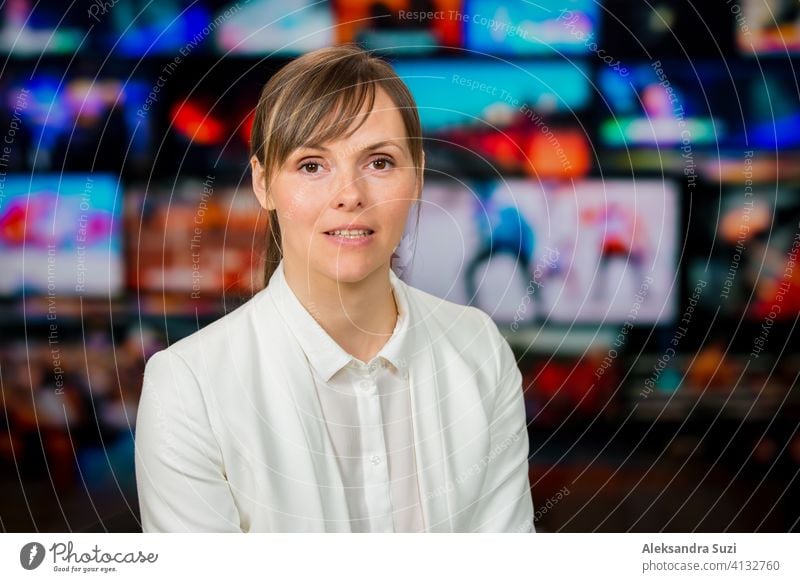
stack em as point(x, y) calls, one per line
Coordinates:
point(373, 146)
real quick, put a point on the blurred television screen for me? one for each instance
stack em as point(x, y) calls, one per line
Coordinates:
point(399, 27)
point(143, 28)
point(589, 252)
point(547, 27)
point(77, 122)
point(747, 246)
point(489, 118)
point(31, 28)
point(768, 27)
point(269, 28)
point(196, 238)
point(671, 104)
point(207, 133)
point(772, 108)
point(61, 235)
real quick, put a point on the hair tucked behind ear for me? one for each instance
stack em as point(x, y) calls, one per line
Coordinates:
point(313, 99)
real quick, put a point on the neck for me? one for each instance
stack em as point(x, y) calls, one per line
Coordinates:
point(359, 316)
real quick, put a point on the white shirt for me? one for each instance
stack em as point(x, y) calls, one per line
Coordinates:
point(367, 412)
point(230, 434)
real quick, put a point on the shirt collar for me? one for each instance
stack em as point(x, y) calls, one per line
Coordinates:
point(325, 355)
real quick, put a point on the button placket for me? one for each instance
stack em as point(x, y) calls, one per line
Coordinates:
point(374, 459)
point(367, 386)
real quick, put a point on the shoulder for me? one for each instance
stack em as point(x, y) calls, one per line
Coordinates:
point(470, 330)
point(231, 334)
point(454, 316)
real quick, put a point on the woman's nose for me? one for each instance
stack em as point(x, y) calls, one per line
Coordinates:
point(348, 189)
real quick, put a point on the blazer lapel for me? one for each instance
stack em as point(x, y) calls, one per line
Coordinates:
point(319, 467)
point(429, 447)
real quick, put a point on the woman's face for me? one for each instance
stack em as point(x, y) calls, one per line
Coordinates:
point(365, 181)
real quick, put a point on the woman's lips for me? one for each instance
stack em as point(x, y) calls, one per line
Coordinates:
point(350, 241)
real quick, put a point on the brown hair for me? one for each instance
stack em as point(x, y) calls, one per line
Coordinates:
point(298, 102)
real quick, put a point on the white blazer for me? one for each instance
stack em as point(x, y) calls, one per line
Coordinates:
point(229, 435)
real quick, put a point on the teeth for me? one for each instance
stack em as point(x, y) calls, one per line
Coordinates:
point(350, 233)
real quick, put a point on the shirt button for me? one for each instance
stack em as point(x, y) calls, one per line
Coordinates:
point(375, 460)
point(365, 385)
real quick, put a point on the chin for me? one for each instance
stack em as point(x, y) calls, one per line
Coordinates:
point(351, 270)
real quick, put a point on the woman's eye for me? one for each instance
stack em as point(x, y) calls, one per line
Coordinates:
point(384, 163)
point(313, 165)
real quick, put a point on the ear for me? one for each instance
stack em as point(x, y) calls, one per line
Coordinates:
point(259, 177)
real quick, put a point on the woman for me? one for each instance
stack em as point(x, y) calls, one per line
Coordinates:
point(338, 398)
